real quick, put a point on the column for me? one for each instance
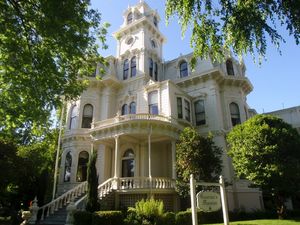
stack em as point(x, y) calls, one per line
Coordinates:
point(117, 145)
point(149, 152)
point(173, 147)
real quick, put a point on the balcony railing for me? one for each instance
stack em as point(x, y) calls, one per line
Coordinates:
point(131, 117)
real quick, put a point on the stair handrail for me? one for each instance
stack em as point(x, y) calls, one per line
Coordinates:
point(62, 200)
point(106, 187)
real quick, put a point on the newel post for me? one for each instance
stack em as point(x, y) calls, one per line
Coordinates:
point(71, 208)
point(34, 210)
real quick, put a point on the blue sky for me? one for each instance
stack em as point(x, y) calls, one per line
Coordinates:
point(276, 82)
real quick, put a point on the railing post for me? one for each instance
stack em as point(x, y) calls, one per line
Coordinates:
point(34, 210)
point(70, 213)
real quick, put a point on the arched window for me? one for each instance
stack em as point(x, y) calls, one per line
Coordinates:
point(153, 102)
point(183, 69)
point(125, 69)
point(150, 67)
point(83, 160)
point(68, 165)
point(229, 68)
point(132, 108)
point(133, 66)
point(73, 117)
point(155, 72)
point(129, 18)
point(87, 116)
point(128, 164)
point(199, 112)
point(155, 21)
point(125, 109)
point(235, 114)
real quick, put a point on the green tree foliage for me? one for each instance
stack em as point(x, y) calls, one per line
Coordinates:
point(45, 46)
point(26, 170)
point(92, 204)
point(266, 150)
point(196, 155)
point(241, 26)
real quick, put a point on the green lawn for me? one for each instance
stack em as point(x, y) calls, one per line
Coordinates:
point(264, 222)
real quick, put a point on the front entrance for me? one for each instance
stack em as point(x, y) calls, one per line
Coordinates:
point(128, 163)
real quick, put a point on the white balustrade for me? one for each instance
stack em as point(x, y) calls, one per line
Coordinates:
point(129, 117)
point(146, 182)
point(62, 200)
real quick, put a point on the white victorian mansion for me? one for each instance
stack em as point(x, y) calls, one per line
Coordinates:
point(133, 117)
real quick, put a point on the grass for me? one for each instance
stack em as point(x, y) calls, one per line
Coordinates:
point(264, 222)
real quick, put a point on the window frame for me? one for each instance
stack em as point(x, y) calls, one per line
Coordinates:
point(230, 67)
point(133, 66)
point(73, 117)
point(125, 69)
point(183, 71)
point(150, 67)
point(124, 109)
point(130, 107)
point(154, 105)
point(235, 117)
point(179, 108)
point(84, 117)
point(187, 110)
point(129, 18)
point(201, 113)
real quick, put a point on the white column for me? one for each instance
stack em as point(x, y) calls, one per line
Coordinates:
point(149, 151)
point(173, 143)
point(193, 200)
point(224, 201)
point(116, 173)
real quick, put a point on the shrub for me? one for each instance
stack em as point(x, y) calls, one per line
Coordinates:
point(107, 218)
point(167, 219)
point(146, 212)
point(184, 218)
point(82, 218)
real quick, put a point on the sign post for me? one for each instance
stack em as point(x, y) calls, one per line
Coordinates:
point(208, 201)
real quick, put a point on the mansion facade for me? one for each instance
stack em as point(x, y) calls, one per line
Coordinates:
point(134, 114)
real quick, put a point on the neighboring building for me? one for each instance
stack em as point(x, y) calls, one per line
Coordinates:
point(133, 117)
point(289, 115)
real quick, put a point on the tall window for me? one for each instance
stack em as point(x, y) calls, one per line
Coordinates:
point(68, 165)
point(125, 109)
point(187, 109)
point(199, 112)
point(155, 72)
point(150, 67)
point(155, 21)
point(179, 108)
point(87, 117)
point(132, 108)
point(235, 114)
point(129, 18)
point(82, 166)
point(183, 69)
point(133, 66)
point(125, 69)
point(229, 68)
point(128, 164)
point(153, 102)
point(73, 117)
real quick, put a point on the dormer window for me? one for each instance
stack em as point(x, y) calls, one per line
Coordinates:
point(155, 21)
point(229, 67)
point(183, 69)
point(129, 18)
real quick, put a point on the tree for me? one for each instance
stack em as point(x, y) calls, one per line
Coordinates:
point(240, 26)
point(196, 155)
point(26, 170)
point(45, 46)
point(266, 151)
point(92, 204)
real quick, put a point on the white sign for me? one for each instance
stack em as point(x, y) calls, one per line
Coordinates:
point(208, 201)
